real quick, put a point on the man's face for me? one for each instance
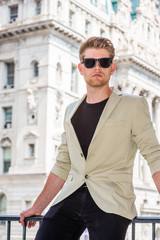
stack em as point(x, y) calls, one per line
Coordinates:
point(96, 76)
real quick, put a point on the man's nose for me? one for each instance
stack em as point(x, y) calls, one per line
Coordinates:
point(97, 65)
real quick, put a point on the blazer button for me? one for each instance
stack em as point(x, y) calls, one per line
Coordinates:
point(86, 176)
point(81, 154)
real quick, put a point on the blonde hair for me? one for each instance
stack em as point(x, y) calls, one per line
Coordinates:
point(97, 42)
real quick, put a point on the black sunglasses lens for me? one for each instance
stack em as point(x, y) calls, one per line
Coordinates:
point(89, 63)
point(105, 62)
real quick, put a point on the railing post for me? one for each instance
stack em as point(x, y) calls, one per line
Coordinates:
point(133, 231)
point(153, 231)
point(24, 231)
point(8, 230)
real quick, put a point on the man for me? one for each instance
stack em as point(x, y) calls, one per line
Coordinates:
point(102, 133)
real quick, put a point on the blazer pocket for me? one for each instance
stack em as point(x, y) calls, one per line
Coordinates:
point(116, 123)
point(125, 177)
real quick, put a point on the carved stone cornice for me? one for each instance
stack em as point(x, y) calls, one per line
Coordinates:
point(91, 11)
point(148, 9)
point(19, 29)
point(140, 62)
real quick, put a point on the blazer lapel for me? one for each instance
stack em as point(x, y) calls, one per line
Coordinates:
point(70, 115)
point(111, 104)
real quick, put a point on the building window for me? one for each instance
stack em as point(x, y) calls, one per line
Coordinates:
point(94, 2)
point(59, 8)
point(38, 7)
point(87, 27)
point(135, 4)
point(102, 33)
point(7, 117)
point(74, 78)
point(35, 69)
point(10, 75)
point(104, 6)
point(115, 5)
point(13, 13)
point(31, 150)
point(6, 159)
point(71, 18)
point(158, 5)
point(3, 206)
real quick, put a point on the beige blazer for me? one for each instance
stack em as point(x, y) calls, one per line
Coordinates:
point(124, 127)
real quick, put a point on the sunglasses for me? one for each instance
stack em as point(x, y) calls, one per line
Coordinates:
point(91, 62)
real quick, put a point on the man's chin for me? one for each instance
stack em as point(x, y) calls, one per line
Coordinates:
point(97, 84)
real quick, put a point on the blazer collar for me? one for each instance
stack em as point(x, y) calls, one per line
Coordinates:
point(114, 98)
point(112, 102)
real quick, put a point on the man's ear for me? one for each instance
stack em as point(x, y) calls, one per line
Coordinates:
point(113, 68)
point(80, 68)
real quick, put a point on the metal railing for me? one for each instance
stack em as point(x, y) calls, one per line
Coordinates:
point(13, 218)
point(152, 220)
point(137, 220)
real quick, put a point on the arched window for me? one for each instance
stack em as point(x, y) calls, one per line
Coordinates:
point(3, 205)
point(35, 69)
point(58, 73)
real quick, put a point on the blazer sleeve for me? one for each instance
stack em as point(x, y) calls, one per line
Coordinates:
point(62, 165)
point(144, 135)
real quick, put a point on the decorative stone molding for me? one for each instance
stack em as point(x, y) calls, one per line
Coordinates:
point(5, 142)
point(20, 28)
point(32, 105)
point(123, 13)
point(31, 99)
point(138, 61)
point(129, 87)
point(59, 102)
point(31, 135)
point(147, 9)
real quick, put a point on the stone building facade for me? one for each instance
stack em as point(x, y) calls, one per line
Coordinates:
point(39, 43)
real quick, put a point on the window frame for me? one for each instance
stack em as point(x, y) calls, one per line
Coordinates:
point(38, 7)
point(71, 18)
point(87, 27)
point(8, 120)
point(10, 67)
point(13, 16)
point(35, 66)
point(6, 161)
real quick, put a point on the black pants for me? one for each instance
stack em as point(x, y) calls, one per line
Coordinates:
point(68, 219)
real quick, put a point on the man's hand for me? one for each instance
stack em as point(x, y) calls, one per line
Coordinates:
point(28, 213)
point(50, 190)
point(156, 178)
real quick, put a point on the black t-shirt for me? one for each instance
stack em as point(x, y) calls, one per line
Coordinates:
point(85, 121)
